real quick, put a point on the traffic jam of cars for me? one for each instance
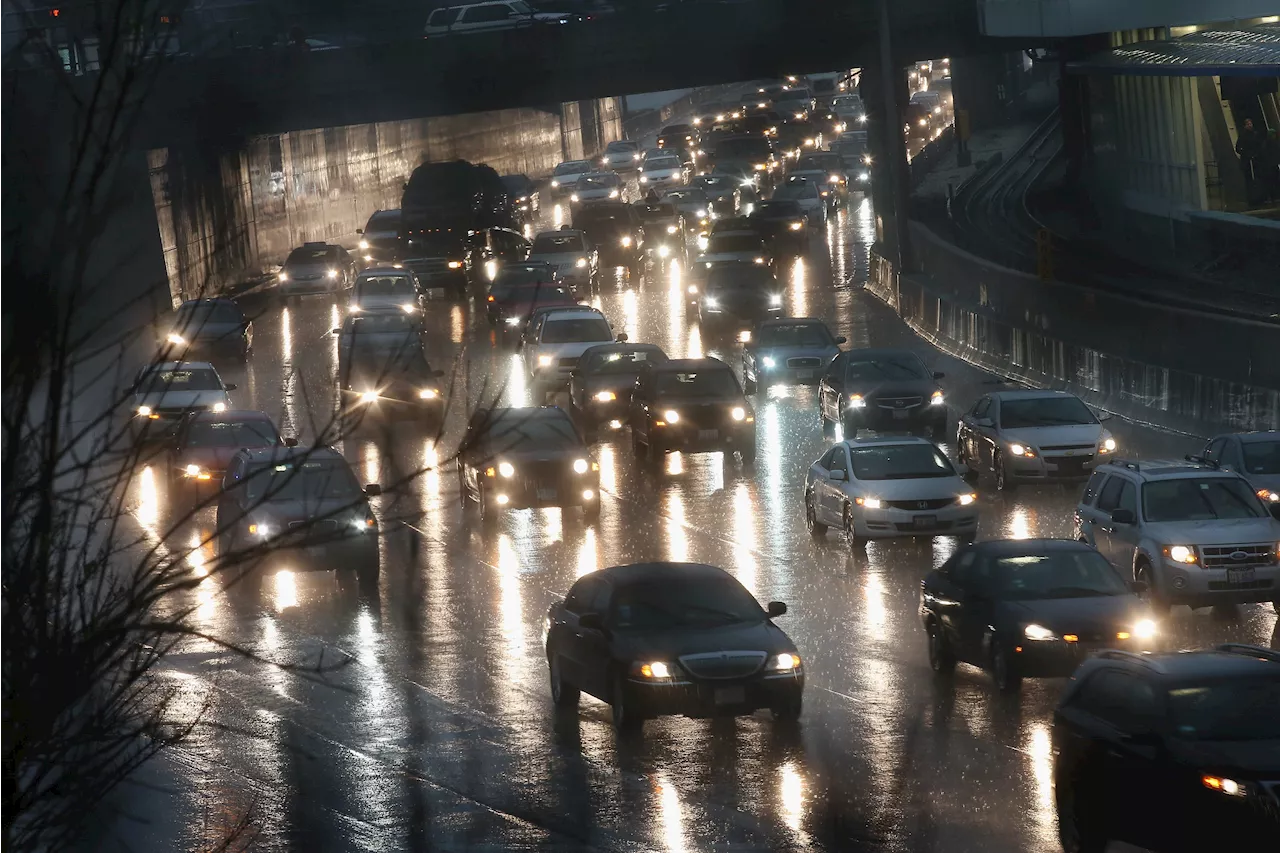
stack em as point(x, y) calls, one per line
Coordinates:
point(721, 210)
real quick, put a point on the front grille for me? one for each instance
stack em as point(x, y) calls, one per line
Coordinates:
point(1066, 447)
point(1225, 556)
point(569, 362)
point(1223, 585)
point(177, 411)
point(909, 527)
point(723, 664)
point(899, 402)
point(321, 530)
point(427, 267)
point(304, 277)
point(804, 361)
point(936, 503)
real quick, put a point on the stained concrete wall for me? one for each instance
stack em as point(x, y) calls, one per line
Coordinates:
point(229, 210)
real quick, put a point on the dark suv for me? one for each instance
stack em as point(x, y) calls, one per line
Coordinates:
point(302, 506)
point(616, 230)
point(694, 405)
point(1176, 751)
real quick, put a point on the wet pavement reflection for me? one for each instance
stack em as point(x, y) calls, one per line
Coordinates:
point(429, 723)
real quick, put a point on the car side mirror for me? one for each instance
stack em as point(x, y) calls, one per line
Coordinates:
point(839, 476)
point(842, 340)
point(777, 608)
point(622, 338)
point(939, 375)
point(230, 386)
point(291, 442)
point(372, 490)
point(591, 622)
point(1122, 516)
point(1137, 587)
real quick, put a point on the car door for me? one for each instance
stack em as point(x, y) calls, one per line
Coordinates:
point(1088, 516)
point(834, 486)
point(953, 601)
point(980, 426)
point(597, 645)
point(1122, 539)
point(569, 641)
point(831, 387)
point(531, 343)
point(641, 400)
point(1106, 529)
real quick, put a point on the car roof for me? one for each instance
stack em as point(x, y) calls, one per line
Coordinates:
point(637, 573)
point(1002, 547)
point(885, 441)
point(267, 455)
point(574, 312)
point(1255, 437)
point(1167, 469)
point(691, 365)
point(1229, 660)
point(177, 365)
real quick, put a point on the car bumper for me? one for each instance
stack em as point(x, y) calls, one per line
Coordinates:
point(876, 418)
point(891, 522)
point(309, 287)
point(705, 698)
point(787, 375)
point(519, 493)
point(351, 552)
point(597, 411)
point(1183, 584)
point(1051, 467)
point(697, 440)
point(1059, 659)
point(208, 482)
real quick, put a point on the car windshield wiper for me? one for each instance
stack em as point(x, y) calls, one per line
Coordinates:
point(727, 615)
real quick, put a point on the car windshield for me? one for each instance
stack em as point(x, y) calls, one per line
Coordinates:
point(740, 276)
point(895, 367)
point(573, 167)
point(1057, 574)
point(820, 162)
point(846, 101)
point(795, 335)
point(1242, 708)
point(660, 163)
point(718, 382)
point(259, 433)
point(295, 481)
point(387, 220)
point(312, 255)
point(729, 243)
point(1261, 457)
point(702, 603)
point(385, 285)
point(185, 379)
point(522, 430)
point(687, 196)
point(520, 7)
point(650, 212)
point(623, 361)
point(519, 276)
point(778, 209)
point(575, 329)
point(196, 314)
point(557, 244)
point(753, 148)
point(599, 181)
point(1187, 499)
point(621, 146)
point(1044, 411)
point(796, 190)
point(900, 462)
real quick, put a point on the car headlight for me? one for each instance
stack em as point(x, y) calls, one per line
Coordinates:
point(1269, 495)
point(923, 122)
point(663, 251)
point(635, 157)
point(1144, 629)
point(809, 143)
point(260, 529)
point(191, 471)
point(834, 179)
point(869, 503)
point(1038, 632)
point(652, 669)
point(506, 469)
point(1182, 554)
point(580, 263)
point(701, 214)
point(369, 397)
point(545, 360)
point(1021, 450)
point(1107, 445)
point(428, 394)
point(176, 339)
point(797, 226)
point(862, 119)
point(967, 499)
point(364, 244)
point(144, 411)
point(644, 179)
point(671, 416)
point(580, 466)
point(573, 197)
point(626, 242)
point(864, 177)
point(1222, 785)
point(768, 361)
point(693, 288)
point(455, 265)
point(219, 407)
point(354, 309)
point(408, 307)
point(800, 116)
point(857, 402)
point(711, 302)
point(671, 229)
point(775, 299)
point(738, 413)
point(513, 321)
point(554, 182)
point(362, 524)
point(785, 662)
point(605, 396)
point(758, 260)
point(333, 273)
point(937, 399)
point(283, 276)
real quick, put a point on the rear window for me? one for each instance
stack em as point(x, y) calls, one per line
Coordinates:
point(260, 433)
point(573, 330)
point(443, 17)
point(717, 382)
point(385, 285)
point(318, 254)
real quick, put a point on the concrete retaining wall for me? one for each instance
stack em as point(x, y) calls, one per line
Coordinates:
point(229, 211)
point(1179, 370)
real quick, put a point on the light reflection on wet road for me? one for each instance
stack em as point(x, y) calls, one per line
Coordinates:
point(439, 732)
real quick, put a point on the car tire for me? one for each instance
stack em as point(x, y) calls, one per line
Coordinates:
point(1002, 672)
point(748, 452)
point(591, 509)
point(637, 446)
point(1275, 605)
point(828, 427)
point(1078, 832)
point(789, 709)
point(367, 575)
point(488, 512)
point(1159, 604)
point(857, 544)
point(653, 455)
point(1004, 483)
point(748, 385)
point(626, 718)
point(816, 528)
point(563, 694)
point(941, 659)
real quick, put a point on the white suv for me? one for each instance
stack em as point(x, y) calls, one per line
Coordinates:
point(488, 16)
point(554, 343)
point(1193, 534)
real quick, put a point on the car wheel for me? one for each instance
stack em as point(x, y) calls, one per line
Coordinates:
point(788, 710)
point(1007, 681)
point(367, 574)
point(488, 512)
point(828, 427)
point(591, 509)
point(1275, 605)
point(816, 528)
point(637, 447)
point(748, 453)
point(1158, 604)
point(654, 454)
point(748, 385)
point(857, 544)
point(563, 694)
point(1004, 483)
point(626, 718)
point(1078, 830)
point(941, 659)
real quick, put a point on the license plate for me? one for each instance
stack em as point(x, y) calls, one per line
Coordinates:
point(926, 521)
point(1235, 577)
point(730, 695)
point(804, 374)
point(546, 494)
point(901, 414)
point(708, 434)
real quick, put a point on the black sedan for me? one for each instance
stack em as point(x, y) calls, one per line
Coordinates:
point(656, 639)
point(783, 225)
point(882, 390)
point(600, 386)
point(384, 386)
point(1029, 608)
point(208, 326)
point(693, 405)
point(516, 458)
point(616, 230)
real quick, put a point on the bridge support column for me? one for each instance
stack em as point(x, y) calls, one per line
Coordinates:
point(884, 93)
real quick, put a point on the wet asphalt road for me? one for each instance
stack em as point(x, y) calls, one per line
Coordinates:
point(439, 733)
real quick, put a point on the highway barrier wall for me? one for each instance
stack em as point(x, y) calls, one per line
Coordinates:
point(1176, 369)
point(229, 210)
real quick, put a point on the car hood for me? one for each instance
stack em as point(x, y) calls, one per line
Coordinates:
point(892, 388)
point(596, 192)
point(208, 331)
point(780, 354)
point(1065, 434)
point(180, 399)
point(529, 456)
point(567, 181)
point(1215, 531)
point(714, 193)
point(671, 644)
point(380, 342)
point(383, 302)
point(1264, 481)
point(526, 306)
point(568, 349)
point(1096, 614)
point(719, 257)
point(915, 489)
point(696, 402)
point(1258, 758)
point(660, 173)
